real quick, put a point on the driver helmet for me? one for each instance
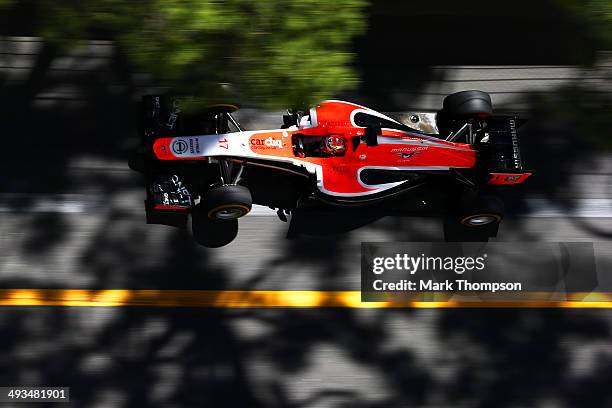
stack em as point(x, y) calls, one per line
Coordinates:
point(335, 144)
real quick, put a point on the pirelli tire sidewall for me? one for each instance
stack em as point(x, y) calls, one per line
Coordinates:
point(227, 202)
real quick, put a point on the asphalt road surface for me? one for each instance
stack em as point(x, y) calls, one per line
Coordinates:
point(280, 357)
point(74, 220)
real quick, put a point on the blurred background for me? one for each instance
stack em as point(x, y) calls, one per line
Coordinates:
point(71, 215)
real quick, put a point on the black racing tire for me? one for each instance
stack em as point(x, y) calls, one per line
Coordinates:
point(137, 160)
point(479, 210)
point(475, 217)
point(468, 104)
point(454, 231)
point(227, 202)
point(211, 233)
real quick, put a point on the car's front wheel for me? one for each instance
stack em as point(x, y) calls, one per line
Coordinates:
point(227, 202)
point(211, 233)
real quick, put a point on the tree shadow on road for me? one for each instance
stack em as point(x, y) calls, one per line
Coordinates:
point(274, 357)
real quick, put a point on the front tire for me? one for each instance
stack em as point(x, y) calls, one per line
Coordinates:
point(227, 202)
point(211, 233)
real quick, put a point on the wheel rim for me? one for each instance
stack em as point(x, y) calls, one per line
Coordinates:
point(480, 220)
point(229, 213)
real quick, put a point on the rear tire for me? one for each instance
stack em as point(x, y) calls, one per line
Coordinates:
point(454, 231)
point(477, 219)
point(468, 104)
point(227, 202)
point(479, 210)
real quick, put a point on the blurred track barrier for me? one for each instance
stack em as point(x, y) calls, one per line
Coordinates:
point(263, 299)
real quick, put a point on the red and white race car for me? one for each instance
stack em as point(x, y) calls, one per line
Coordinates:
point(336, 155)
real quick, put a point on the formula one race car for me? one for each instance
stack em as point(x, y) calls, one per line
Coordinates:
point(335, 158)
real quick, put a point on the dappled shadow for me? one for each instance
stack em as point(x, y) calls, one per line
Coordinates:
point(512, 356)
point(403, 53)
point(80, 140)
point(47, 231)
point(565, 142)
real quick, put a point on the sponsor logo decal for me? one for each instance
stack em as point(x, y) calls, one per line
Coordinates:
point(269, 143)
point(408, 152)
point(180, 187)
point(340, 169)
point(182, 146)
point(403, 155)
point(173, 114)
point(409, 149)
point(179, 146)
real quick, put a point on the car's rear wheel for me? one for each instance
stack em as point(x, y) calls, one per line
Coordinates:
point(227, 202)
point(468, 104)
point(479, 220)
point(480, 210)
point(476, 218)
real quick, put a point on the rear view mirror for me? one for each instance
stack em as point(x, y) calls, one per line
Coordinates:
point(371, 135)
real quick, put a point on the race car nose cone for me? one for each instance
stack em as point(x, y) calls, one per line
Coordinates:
point(161, 149)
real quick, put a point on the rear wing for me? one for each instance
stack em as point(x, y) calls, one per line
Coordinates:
point(505, 163)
